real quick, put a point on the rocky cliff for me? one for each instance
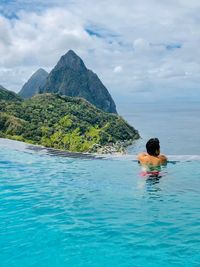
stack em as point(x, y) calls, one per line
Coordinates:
point(70, 77)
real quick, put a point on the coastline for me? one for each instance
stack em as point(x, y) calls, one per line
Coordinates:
point(102, 153)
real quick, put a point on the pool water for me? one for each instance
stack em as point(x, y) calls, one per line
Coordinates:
point(59, 211)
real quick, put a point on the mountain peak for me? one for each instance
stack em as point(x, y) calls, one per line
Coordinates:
point(32, 86)
point(40, 73)
point(70, 77)
point(71, 53)
point(71, 60)
point(41, 70)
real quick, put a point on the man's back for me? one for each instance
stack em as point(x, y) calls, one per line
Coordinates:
point(146, 159)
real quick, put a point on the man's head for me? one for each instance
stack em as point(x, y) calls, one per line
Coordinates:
point(153, 147)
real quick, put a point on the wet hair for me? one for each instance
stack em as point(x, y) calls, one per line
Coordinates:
point(153, 146)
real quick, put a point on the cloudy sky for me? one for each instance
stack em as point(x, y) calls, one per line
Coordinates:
point(141, 49)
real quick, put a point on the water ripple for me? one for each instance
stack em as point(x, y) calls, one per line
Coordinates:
point(74, 212)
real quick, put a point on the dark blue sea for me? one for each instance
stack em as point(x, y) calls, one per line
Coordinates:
point(176, 124)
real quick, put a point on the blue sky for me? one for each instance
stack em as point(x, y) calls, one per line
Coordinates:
point(142, 50)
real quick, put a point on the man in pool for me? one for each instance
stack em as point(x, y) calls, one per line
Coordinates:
point(152, 160)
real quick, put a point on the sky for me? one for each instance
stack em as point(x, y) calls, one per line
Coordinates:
point(142, 50)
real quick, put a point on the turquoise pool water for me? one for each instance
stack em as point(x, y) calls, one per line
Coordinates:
point(59, 211)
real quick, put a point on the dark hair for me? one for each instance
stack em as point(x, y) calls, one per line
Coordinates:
point(152, 146)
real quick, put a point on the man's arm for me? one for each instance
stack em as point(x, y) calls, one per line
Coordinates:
point(163, 159)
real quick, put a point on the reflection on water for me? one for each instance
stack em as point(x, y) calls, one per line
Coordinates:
point(150, 186)
point(153, 187)
point(150, 178)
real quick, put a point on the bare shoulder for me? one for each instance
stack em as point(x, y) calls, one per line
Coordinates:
point(141, 156)
point(163, 158)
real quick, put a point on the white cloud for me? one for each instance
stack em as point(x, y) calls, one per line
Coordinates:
point(118, 69)
point(141, 45)
point(156, 42)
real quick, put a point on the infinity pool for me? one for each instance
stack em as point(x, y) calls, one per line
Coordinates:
point(61, 211)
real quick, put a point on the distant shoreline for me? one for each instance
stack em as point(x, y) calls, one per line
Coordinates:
point(59, 152)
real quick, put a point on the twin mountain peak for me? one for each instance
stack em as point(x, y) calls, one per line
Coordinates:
point(70, 77)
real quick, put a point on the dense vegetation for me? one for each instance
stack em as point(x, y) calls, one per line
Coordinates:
point(67, 123)
point(8, 95)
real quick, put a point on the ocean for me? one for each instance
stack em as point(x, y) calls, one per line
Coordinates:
point(176, 124)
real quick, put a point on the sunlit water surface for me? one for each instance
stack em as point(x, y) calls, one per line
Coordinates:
point(59, 211)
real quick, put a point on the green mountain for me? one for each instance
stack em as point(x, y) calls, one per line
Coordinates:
point(70, 77)
point(31, 87)
point(67, 123)
point(8, 95)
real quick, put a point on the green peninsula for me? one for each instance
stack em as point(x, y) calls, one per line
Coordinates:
point(63, 122)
